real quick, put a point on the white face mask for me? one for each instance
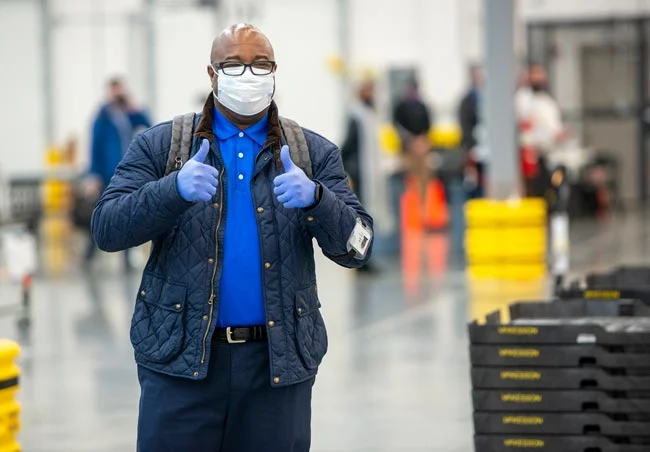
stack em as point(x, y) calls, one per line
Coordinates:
point(246, 94)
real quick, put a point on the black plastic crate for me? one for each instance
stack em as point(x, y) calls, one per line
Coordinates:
point(575, 401)
point(605, 292)
point(622, 282)
point(571, 424)
point(559, 356)
point(623, 276)
point(540, 443)
point(560, 379)
point(26, 199)
point(612, 323)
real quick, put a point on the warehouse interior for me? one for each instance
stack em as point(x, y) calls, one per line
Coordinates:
point(419, 360)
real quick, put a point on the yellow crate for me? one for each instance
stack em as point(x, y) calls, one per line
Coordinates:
point(513, 272)
point(9, 351)
point(492, 213)
point(10, 418)
point(12, 446)
point(497, 239)
point(9, 371)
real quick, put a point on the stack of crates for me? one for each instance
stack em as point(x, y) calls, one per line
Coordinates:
point(506, 239)
point(563, 376)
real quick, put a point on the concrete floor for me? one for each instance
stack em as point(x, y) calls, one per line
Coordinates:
point(396, 377)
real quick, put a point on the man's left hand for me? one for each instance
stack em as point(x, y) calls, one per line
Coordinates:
point(293, 188)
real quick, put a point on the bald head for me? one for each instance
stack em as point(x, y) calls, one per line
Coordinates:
point(241, 42)
point(235, 51)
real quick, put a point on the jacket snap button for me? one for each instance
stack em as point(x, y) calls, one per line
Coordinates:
point(276, 380)
point(196, 374)
point(205, 317)
point(215, 205)
point(310, 218)
point(260, 209)
point(267, 265)
point(178, 306)
point(210, 261)
point(271, 323)
point(143, 293)
point(299, 310)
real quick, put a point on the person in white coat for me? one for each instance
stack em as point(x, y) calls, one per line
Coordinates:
point(362, 156)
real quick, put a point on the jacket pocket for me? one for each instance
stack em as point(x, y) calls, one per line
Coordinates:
point(157, 328)
point(311, 335)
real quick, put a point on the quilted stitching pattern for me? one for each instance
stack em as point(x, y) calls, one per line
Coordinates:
point(157, 329)
point(168, 325)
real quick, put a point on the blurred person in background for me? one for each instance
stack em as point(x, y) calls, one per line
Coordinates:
point(544, 112)
point(114, 126)
point(470, 125)
point(227, 330)
point(542, 119)
point(412, 119)
point(523, 95)
point(360, 151)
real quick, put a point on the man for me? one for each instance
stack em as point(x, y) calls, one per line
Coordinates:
point(411, 116)
point(227, 330)
point(544, 112)
point(470, 124)
point(112, 131)
point(360, 144)
point(360, 152)
point(545, 130)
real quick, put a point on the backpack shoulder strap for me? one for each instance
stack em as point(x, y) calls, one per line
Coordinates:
point(181, 144)
point(297, 143)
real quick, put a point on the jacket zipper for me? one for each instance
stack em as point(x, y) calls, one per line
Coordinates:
point(214, 270)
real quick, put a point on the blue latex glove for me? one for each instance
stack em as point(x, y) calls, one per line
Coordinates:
point(197, 181)
point(293, 188)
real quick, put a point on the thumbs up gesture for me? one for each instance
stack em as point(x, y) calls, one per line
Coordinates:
point(197, 181)
point(293, 188)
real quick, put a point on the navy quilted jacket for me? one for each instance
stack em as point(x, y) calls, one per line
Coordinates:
point(178, 300)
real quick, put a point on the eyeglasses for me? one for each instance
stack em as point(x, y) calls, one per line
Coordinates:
point(234, 68)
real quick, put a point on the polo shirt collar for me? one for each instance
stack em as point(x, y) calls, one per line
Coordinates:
point(224, 129)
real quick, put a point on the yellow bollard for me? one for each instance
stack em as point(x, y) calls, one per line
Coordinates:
point(9, 407)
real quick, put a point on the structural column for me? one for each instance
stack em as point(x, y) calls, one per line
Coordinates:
point(498, 108)
point(47, 70)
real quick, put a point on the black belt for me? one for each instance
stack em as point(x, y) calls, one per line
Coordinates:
point(240, 334)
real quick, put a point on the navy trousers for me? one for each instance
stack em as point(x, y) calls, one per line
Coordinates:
point(233, 410)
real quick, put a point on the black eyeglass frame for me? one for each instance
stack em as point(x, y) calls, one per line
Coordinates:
point(220, 65)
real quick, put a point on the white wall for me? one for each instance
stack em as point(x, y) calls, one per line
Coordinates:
point(21, 112)
point(425, 34)
point(562, 9)
point(93, 40)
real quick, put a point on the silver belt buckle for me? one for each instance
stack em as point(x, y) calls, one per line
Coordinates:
point(230, 339)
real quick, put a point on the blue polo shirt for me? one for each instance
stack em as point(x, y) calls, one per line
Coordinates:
point(241, 301)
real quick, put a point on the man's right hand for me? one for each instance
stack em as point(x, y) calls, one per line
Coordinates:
point(197, 181)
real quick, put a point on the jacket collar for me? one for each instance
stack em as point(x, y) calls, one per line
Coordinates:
point(273, 139)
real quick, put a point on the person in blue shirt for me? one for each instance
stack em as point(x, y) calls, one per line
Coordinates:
point(469, 117)
point(227, 330)
point(113, 129)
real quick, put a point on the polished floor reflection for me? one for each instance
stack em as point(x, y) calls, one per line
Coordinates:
point(396, 377)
